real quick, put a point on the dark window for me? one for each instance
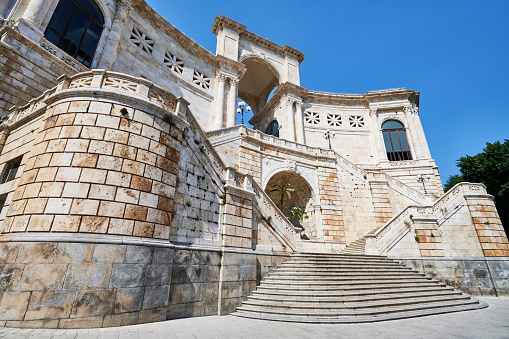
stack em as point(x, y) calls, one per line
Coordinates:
point(395, 140)
point(75, 28)
point(2, 203)
point(10, 170)
point(273, 129)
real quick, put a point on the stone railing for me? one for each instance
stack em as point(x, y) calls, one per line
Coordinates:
point(278, 222)
point(108, 81)
point(404, 189)
point(386, 237)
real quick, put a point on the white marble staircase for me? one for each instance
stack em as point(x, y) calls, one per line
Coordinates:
point(348, 288)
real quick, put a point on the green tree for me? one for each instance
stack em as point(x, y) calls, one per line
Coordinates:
point(285, 189)
point(453, 180)
point(491, 167)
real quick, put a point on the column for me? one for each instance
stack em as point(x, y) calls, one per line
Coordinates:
point(36, 11)
point(380, 152)
point(413, 136)
point(291, 121)
point(299, 122)
point(110, 48)
point(231, 119)
point(218, 120)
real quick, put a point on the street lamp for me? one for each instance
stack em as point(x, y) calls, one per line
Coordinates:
point(422, 178)
point(328, 134)
point(241, 110)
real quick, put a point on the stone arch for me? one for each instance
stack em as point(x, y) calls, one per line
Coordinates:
point(385, 119)
point(260, 78)
point(302, 196)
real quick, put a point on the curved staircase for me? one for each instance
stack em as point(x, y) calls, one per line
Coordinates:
point(345, 288)
point(357, 247)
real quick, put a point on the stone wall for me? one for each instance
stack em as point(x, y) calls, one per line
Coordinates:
point(474, 275)
point(78, 285)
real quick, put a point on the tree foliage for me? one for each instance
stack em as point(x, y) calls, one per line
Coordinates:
point(491, 167)
point(453, 180)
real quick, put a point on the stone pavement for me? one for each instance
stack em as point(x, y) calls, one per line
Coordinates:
point(491, 322)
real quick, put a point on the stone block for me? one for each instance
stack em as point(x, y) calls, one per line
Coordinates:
point(158, 274)
point(84, 160)
point(152, 315)
point(94, 224)
point(115, 320)
point(93, 303)
point(50, 305)
point(10, 276)
point(32, 324)
point(105, 253)
point(109, 163)
point(85, 206)
point(59, 205)
point(66, 223)
point(81, 323)
point(86, 276)
point(42, 277)
point(111, 209)
point(143, 229)
point(74, 253)
point(8, 252)
point(163, 255)
point(156, 296)
point(138, 255)
point(128, 299)
point(127, 275)
point(37, 253)
point(72, 190)
point(121, 226)
point(13, 305)
point(176, 311)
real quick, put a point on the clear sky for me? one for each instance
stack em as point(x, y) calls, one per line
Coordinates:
point(455, 53)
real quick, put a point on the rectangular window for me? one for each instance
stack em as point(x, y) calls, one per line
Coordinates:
point(10, 170)
point(2, 203)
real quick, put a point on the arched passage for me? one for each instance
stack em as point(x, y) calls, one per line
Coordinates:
point(301, 196)
point(257, 82)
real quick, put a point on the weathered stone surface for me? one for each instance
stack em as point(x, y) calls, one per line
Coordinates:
point(74, 253)
point(42, 277)
point(127, 275)
point(37, 253)
point(158, 274)
point(156, 296)
point(109, 253)
point(8, 252)
point(138, 255)
point(93, 303)
point(126, 319)
point(50, 305)
point(10, 276)
point(13, 305)
point(129, 299)
point(86, 276)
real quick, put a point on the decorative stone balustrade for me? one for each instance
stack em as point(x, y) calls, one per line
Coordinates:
point(383, 239)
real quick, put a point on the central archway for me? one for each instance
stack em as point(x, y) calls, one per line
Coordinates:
point(258, 81)
point(302, 196)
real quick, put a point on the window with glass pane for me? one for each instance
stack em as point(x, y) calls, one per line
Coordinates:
point(395, 140)
point(273, 129)
point(10, 170)
point(75, 28)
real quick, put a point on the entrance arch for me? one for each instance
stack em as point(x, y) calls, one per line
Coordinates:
point(260, 78)
point(301, 196)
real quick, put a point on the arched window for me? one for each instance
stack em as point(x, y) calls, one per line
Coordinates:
point(396, 143)
point(75, 28)
point(273, 129)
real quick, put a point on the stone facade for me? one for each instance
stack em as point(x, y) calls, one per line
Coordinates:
point(130, 196)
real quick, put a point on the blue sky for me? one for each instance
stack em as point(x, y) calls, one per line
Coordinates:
point(456, 53)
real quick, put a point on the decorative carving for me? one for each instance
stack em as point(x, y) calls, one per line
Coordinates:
point(173, 63)
point(356, 121)
point(81, 82)
point(312, 118)
point(373, 110)
point(120, 84)
point(141, 40)
point(62, 56)
point(334, 119)
point(233, 82)
point(201, 80)
point(291, 165)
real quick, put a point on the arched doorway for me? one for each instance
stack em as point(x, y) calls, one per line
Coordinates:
point(301, 195)
point(257, 83)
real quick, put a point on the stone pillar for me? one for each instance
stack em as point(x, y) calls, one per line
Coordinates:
point(377, 135)
point(413, 134)
point(218, 120)
point(110, 48)
point(36, 11)
point(290, 129)
point(231, 119)
point(299, 123)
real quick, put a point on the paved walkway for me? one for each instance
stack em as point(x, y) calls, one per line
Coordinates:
point(491, 322)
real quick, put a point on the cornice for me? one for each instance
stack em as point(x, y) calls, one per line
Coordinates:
point(223, 21)
point(224, 63)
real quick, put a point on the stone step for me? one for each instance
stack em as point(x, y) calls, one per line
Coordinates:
point(346, 287)
point(335, 261)
point(289, 293)
point(352, 271)
point(368, 317)
point(345, 299)
point(331, 308)
point(340, 278)
point(335, 255)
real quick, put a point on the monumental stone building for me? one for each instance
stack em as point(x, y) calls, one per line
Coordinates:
point(129, 194)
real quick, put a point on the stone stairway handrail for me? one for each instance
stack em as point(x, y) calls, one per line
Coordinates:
point(438, 210)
